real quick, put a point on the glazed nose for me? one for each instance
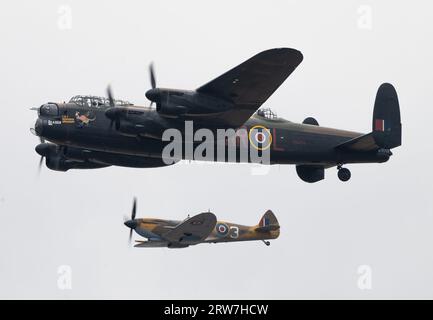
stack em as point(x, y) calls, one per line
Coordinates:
point(132, 224)
point(38, 127)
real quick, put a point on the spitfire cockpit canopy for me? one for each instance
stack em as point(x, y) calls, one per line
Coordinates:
point(97, 102)
point(267, 113)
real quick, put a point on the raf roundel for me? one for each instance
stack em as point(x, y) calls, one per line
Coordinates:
point(260, 137)
point(222, 229)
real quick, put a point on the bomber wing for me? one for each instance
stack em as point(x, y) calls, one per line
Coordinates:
point(252, 82)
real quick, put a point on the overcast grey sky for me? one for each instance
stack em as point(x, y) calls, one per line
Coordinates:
point(381, 218)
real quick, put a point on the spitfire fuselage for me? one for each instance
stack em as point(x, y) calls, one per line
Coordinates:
point(154, 230)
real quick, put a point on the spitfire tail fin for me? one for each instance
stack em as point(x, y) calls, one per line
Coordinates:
point(386, 118)
point(268, 222)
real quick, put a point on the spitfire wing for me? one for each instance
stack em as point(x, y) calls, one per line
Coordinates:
point(193, 230)
point(251, 83)
point(151, 244)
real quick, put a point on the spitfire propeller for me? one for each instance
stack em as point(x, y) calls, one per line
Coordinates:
point(132, 223)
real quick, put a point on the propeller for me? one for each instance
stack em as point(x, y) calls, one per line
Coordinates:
point(152, 76)
point(42, 140)
point(150, 94)
point(132, 224)
point(40, 164)
point(112, 113)
point(110, 96)
point(134, 209)
point(40, 150)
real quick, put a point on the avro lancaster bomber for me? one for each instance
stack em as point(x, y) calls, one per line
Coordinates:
point(93, 132)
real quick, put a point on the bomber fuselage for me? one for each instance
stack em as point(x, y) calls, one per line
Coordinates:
point(139, 131)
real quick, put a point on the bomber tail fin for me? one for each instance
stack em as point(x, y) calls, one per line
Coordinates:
point(386, 118)
point(386, 132)
point(268, 222)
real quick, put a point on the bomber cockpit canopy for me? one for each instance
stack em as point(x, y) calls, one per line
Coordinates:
point(97, 102)
point(267, 113)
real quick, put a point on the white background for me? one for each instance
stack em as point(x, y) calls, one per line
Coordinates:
point(382, 217)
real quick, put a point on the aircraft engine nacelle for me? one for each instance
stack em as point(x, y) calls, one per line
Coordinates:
point(128, 160)
point(59, 163)
point(134, 128)
point(56, 163)
point(127, 128)
point(59, 158)
point(171, 109)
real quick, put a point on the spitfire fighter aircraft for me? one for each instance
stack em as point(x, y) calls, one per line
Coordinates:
point(201, 228)
point(94, 132)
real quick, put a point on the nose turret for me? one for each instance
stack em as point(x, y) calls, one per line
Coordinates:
point(38, 127)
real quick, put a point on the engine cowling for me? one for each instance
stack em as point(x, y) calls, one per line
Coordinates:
point(133, 128)
point(60, 158)
point(56, 163)
point(59, 163)
point(63, 158)
point(171, 109)
point(124, 160)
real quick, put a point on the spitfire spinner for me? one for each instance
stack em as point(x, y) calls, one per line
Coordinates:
point(201, 228)
point(94, 132)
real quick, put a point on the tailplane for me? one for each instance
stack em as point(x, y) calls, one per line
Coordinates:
point(268, 223)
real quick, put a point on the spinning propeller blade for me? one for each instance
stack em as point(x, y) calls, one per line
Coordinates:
point(152, 82)
point(152, 76)
point(112, 113)
point(132, 224)
point(134, 209)
point(42, 140)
